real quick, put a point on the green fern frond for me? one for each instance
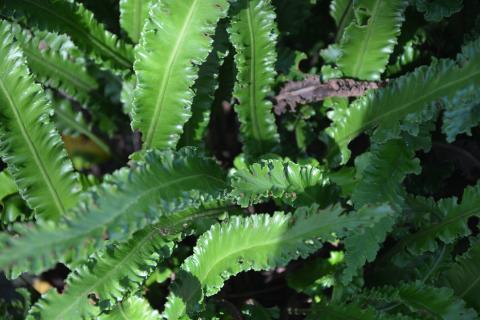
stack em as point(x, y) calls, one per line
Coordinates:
point(205, 87)
point(281, 179)
point(258, 242)
point(464, 276)
point(56, 62)
point(31, 146)
point(107, 278)
point(411, 93)
point(133, 15)
point(436, 303)
point(71, 18)
point(175, 41)
point(452, 220)
point(436, 10)
point(343, 14)
point(253, 35)
point(462, 113)
point(369, 40)
point(377, 182)
point(134, 308)
point(341, 312)
point(128, 201)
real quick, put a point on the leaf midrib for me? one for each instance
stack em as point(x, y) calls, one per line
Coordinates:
point(125, 62)
point(70, 76)
point(34, 152)
point(279, 238)
point(159, 101)
point(405, 106)
point(252, 86)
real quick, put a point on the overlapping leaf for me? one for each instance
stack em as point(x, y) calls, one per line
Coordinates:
point(134, 308)
point(176, 40)
point(280, 179)
point(258, 242)
point(128, 201)
point(411, 93)
point(133, 15)
point(253, 34)
point(71, 18)
point(369, 40)
point(57, 63)
point(31, 146)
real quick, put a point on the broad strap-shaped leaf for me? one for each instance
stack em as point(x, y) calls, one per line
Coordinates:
point(133, 15)
point(369, 40)
point(464, 276)
point(411, 93)
point(258, 242)
point(71, 18)
point(436, 10)
point(253, 35)
point(176, 39)
point(205, 87)
point(452, 216)
point(381, 172)
point(56, 62)
point(134, 308)
point(282, 179)
point(342, 11)
point(120, 269)
point(438, 303)
point(128, 201)
point(106, 278)
point(462, 113)
point(30, 145)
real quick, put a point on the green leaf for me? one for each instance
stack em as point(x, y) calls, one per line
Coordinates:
point(462, 113)
point(106, 278)
point(205, 87)
point(7, 185)
point(369, 40)
point(464, 276)
point(56, 62)
point(253, 34)
point(436, 10)
point(128, 201)
point(341, 312)
point(175, 41)
point(282, 179)
point(343, 14)
point(258, 242)
point(133, 15)
point(411, 93)
point(377, 181)
point(430, 302)
point(71, 18)
point(135, 308)
point(452, 218)
point(30, 145)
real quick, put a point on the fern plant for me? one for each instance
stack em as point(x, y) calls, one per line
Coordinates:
point(239, 159)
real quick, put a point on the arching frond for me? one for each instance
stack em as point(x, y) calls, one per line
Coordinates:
point(175, 42)
point(30, 145)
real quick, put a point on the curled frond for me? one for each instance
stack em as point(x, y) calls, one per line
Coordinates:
point(258, 242)
point(282, 179)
